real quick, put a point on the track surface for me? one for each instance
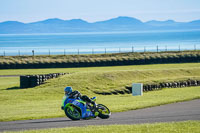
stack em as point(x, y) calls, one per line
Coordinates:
point(181, 111)
point(9, 75)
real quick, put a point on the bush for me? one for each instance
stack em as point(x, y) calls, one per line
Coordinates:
point(45, 61)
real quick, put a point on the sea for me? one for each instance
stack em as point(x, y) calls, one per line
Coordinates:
point(98, 42)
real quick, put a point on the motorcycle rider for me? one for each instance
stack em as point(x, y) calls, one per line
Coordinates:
point(69, 93)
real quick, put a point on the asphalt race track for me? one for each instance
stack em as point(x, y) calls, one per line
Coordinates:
point(182, 111)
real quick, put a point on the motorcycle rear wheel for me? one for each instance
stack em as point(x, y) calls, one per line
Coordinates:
point(104, 112)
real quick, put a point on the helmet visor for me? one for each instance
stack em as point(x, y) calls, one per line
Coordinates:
point(67, 92)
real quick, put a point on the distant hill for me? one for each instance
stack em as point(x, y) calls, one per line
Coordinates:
point(56, 25)
point(162, 23)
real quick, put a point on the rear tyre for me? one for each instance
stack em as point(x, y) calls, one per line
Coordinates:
point(73, 113)
point(104, 112)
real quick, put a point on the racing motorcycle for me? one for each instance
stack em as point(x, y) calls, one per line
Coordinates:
point(76, 109)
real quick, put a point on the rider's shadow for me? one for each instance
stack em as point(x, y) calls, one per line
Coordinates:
point(45, 121)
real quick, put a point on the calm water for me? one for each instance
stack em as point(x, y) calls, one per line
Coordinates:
point(82, 43)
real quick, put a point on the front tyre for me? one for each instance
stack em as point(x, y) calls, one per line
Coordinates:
point(104, 112)
point(72, 113)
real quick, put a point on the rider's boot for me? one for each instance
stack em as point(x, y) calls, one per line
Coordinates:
point(94, 109)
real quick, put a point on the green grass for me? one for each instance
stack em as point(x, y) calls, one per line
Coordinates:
point(100, 69)
point(30, 104)
point(172, 127)
point(107, 78)
point(100, 79)
point(92, 79)
point(9, 82)
point(44, 101)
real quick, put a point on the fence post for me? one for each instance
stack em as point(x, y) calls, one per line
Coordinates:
point(144, 49)
point(33, 52)
point(64, 51)
point(157, 48)
point(132, 49)
point(92, 51)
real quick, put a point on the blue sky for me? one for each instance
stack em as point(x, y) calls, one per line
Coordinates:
point(98, 10)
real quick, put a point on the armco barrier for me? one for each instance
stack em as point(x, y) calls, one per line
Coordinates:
point(28, 81)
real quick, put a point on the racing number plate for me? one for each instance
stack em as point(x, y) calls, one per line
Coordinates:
point(75, 103)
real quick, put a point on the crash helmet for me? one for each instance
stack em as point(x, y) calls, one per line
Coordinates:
point(68, 90)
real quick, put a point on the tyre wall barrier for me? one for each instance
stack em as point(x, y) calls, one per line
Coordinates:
point(174, 84)
point(28, 81)
point(152, 87)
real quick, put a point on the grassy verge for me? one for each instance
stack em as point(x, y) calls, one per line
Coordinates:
point(44, 101)
point(30, 105)
point(100, 69)
point(173, 127)
point(9, 82)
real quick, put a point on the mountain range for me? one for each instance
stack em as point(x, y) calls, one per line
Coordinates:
point(122, 23)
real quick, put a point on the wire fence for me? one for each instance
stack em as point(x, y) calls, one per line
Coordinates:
point(33, 52)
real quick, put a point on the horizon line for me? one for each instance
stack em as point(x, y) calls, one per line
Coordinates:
point(95, 21)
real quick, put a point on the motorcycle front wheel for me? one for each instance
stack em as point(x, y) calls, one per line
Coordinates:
point(72, 113)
